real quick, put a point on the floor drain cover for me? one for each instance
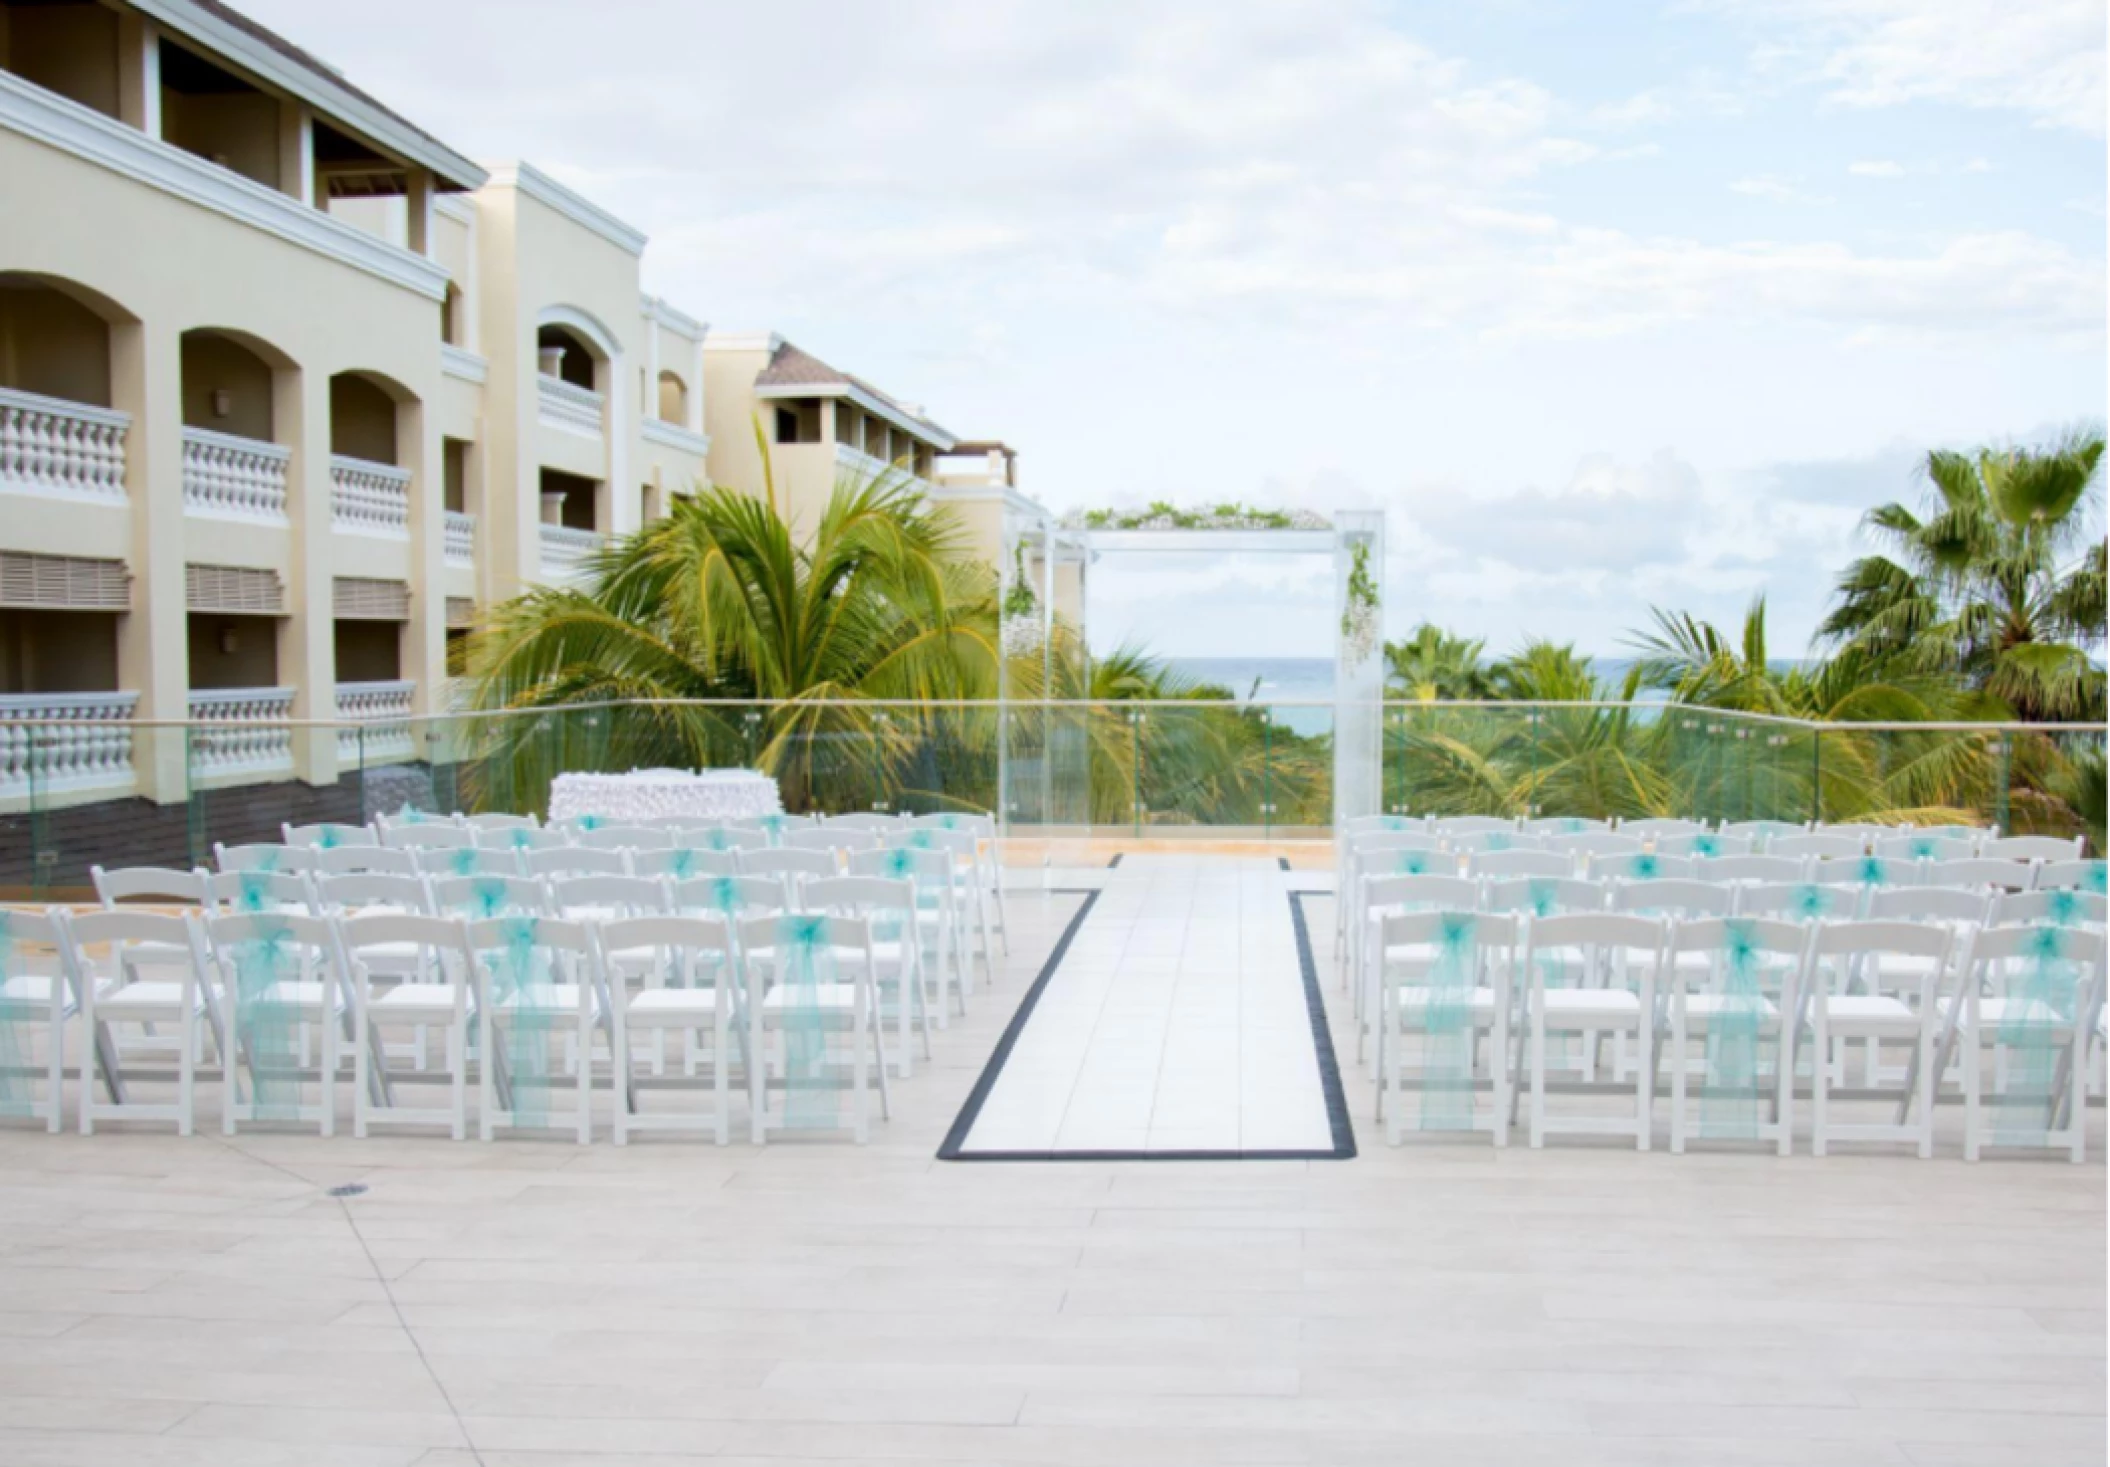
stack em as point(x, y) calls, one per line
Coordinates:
point(349, 1189)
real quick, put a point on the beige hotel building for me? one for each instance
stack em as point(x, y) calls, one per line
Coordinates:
point(289, 389)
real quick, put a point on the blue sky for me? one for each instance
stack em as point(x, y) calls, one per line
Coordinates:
point(1607, 304)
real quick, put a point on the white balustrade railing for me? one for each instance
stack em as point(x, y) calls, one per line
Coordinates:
point(238, 478)
point(67, 449)
point(382, 711)
point(89, 749)
point(241, 731)
point(369, 498)
point(563, 548)
point(576, 409)
point(458, 547)
point(870, 466)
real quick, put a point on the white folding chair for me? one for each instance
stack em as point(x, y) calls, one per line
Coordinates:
point(988, 856)
point(888, 905)
point(519, 838)
point(1761, 831)
point(2034, 995)
point(1402, 852)
point(1376, 963)
point(1541, 896)
point(682, 862)
point(151, 887)
point(262, 856)
point(1641, 866)
point(111, 992)
point(2071, 876)
point(1450, 825)
point(1499, 865)
point(1564, 825)
point(441, 863)
point(495, 820)
point(379, 860)
point(1897, 968)
point(1774, 870)
point(574, 861)
point(720, 836)
point(2058, 907)
point(1657, 830)
point(841, 1004)
point(940, 929)
point(329, 835)
point(276, 976)
point(427, 836)
point(371, 954)
point(408, 817)
point(2035, 848)
point(1621, 956)
point(535, 979)
point(1995, 873)
point(1869, 872)
point(1829, 844)
point(624, 838)
point(1864, 831)
point(283, 892)
point(701, 995)
point(1925, 845)
point(39, 988)
point(1444, 1002)
point(1472, 842)
point(1591, 845)
point(1800, 901)
point(962, 851)
point(789, 866)
point(1703, 844)
point(874, 820)
point(838, 840)
point(1732, 1004)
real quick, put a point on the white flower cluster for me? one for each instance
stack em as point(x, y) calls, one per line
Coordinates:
point(1021, 635)
point(1359, 632)
point(1294, 519)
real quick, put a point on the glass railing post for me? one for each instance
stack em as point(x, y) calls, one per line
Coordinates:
point(43, 858)
point(2003, 754)
point(1135, 771)
point(1267, 773)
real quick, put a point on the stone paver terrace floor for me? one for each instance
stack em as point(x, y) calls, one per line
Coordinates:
point(533, 1303)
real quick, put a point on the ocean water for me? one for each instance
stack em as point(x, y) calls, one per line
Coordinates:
point(1269, 679)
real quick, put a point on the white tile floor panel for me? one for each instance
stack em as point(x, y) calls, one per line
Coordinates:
point(1176, 1022)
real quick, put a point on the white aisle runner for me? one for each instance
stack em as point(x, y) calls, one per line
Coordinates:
point(1177, 1021)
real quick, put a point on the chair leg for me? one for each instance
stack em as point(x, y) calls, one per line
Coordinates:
point(1538, 1077)
point(619, 1044)
point(1821, 1049)
point(1971, 1117)
point(1680, 1048)
point(721, 1045)
point(1923, 1084)
point(857, 1064)
point(584, 1035)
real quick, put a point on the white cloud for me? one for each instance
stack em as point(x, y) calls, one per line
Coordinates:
point(2043, 58)
point(1766, 186)
point(1876, 168)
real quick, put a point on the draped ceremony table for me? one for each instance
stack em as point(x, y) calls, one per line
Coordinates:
point(654, 794)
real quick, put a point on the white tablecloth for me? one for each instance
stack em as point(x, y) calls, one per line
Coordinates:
point(650, 794)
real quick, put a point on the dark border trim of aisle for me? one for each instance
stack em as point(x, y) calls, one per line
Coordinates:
point(1116, 861)
point(1343, 1148)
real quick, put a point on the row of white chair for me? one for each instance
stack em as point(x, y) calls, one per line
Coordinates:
point(617, 969)
point(1664, 985)
point(1757, 832)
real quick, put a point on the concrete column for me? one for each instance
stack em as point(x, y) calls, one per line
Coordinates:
point(425, 638)
point(622, 513)
point(418, 202)
point(153, 648)
point(307, 646)
point(296, 153)
point(649, 408)
point(695, 423)
point(139, 72)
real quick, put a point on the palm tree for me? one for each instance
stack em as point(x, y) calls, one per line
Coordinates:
point(2000, 580)
point(719, 601)
point(1433, 665)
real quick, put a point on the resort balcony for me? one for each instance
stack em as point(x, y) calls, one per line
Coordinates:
point(459, 546)
point(240, 734)
point(227, 477)
point(369, 498)
point(565, 550)
point(569, 407)
point(379, 718)
point(65, 744)
point(66, 450)
point(854, 462)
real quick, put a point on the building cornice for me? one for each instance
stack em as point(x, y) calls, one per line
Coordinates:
point(1012, 500)
point(762, 341)
point(655, 308)
point(582, 211)
point(673, 435)
point(252, 54)
point(460, 362)
point(871, 402)
point(455, 207)
point(61, 123)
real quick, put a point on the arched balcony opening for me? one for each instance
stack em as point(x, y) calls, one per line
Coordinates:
point(575, 370)
point(369, 484)
point(673, 399)
point(233, 465)
point(567, 355)
point(60, 434)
